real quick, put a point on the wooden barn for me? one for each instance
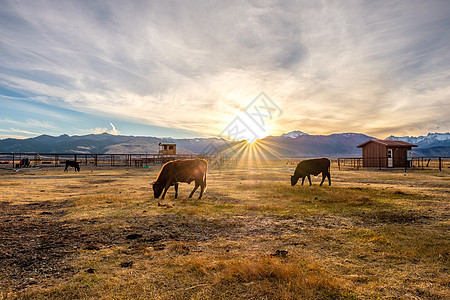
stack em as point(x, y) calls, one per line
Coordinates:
point(386, 153)
point(167, 149)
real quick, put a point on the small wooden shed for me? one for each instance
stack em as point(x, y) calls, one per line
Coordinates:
point(167, 148)
point(386, 153)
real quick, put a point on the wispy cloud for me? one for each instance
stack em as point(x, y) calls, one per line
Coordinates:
point(23, 131)
point(13, 136)
point(332, 66)
point(29, 123)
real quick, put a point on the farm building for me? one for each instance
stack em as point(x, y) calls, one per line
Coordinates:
point(167, 149)
point(386, 153)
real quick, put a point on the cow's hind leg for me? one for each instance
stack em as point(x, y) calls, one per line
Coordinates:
point(202, 189)
point(309, 179)
point(195, 188)
point(323, 178)
point(176, 190)
point(329, 178)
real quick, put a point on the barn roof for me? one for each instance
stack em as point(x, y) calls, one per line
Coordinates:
point(389, 143)
point(169, 144)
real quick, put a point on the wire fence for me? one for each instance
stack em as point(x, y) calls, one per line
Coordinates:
point(422, 163)
point(20, 160)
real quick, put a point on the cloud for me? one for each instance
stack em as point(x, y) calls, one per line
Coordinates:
point(331, 66)
point(99, 130)
point(23, 131)
point(113, 130)
point(13, 136)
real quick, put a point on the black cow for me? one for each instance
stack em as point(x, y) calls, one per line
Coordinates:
point(24, 162)
point(314, 167)
point(181, 170)
point(72, 163)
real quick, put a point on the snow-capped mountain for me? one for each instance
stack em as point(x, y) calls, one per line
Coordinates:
point(294, 134)
point(425, 141)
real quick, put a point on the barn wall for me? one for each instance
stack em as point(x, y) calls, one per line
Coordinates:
point(374, 154)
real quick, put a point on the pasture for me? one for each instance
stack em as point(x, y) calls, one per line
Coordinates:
point(100, 234)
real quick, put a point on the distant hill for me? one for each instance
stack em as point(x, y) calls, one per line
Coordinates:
point(292, 144)
point(305, 145)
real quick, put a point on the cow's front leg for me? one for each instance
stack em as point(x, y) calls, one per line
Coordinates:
point(165, 191)
point(176, 190)
point(309, 179)
point(195, 188)
point(303, 179)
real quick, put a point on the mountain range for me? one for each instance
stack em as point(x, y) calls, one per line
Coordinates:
point(292, 144)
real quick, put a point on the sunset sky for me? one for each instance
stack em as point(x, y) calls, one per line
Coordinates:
point(188, 68)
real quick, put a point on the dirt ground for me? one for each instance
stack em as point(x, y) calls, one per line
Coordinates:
point(372, 234)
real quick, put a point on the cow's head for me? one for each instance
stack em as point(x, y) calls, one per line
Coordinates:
point(157, 189)
point(294, 180)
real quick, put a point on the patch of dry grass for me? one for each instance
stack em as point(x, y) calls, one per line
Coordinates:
point(100, 234)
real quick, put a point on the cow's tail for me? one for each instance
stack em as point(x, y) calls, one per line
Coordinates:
point(204, 175)
point(204, 180)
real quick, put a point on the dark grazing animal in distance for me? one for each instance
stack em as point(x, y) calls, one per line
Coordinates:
point(312, 166)
point(24, 162)
point(181, 170)
point(73, 164)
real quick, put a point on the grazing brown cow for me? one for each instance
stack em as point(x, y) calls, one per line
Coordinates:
point(181, 170)
point(314, 167)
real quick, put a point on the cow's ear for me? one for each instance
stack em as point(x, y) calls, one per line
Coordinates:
point(154, 182)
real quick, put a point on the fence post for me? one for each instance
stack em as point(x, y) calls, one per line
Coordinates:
point(440, 164)
point(339, 163)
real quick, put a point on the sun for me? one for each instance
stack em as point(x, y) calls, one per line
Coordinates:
point(254, 138)
point(255, 132)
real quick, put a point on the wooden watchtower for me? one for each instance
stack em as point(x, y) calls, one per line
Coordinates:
point(167, 148)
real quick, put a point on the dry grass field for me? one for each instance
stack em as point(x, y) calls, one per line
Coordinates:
point(99, 234)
